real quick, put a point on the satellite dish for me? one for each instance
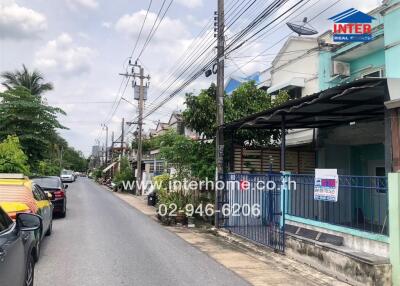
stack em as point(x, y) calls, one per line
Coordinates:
point(303, 29)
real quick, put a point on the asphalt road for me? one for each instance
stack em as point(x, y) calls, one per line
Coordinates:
point(104, 241)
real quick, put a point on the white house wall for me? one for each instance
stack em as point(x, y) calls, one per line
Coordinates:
point(304, 66)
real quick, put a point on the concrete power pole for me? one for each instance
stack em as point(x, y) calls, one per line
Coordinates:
point(98, 153)
point(219, 139)
point(140, 127)
point(140, 92)
point(106, 150)
point(122, 137)
point(112, 153)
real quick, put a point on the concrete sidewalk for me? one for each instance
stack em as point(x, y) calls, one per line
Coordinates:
point(266, 268)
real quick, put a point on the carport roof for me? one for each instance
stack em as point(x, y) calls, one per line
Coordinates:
point(355, 101)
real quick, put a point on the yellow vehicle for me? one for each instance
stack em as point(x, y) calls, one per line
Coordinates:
point(20, 194)
point(12, 208)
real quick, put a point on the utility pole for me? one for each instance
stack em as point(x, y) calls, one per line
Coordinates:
point(106, 127)
point(140, 92)
point(140, 127)
point(112, 153)
point(98, 152)
point(219, 139)
point(122, 137)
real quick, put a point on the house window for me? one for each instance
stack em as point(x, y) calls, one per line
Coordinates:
point(180, 128)
point(160, 167)
point(294, 93)
point(374, 74)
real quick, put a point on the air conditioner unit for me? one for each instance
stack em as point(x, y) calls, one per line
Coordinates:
point(341, 68)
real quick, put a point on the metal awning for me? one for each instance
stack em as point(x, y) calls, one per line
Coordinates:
point(355, 101)
point(289, 84)
point(109, 167)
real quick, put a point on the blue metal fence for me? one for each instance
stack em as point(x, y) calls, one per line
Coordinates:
point(362, 203)
point(252, 211)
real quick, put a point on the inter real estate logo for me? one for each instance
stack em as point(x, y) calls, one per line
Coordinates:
point(352, 26)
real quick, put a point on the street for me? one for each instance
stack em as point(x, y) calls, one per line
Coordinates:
point(104, 241)
point(194, 142)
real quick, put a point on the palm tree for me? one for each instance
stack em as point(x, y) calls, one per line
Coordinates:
point(33, 81)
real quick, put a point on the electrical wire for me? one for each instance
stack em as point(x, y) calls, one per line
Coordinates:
point(253, 24)
point(152, 32)
point(141, 29)
point(195, 75)
point(279, 41)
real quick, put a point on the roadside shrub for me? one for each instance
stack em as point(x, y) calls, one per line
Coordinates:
point(161, 181)
point(125, 174)
point(97, 174)
point(48, 168)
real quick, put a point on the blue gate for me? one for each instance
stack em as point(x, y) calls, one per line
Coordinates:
point(251, 206)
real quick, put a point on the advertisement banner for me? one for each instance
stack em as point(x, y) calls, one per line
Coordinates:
point(326, 185)
point(352, 26)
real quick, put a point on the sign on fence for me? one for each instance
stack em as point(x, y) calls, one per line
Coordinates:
point(326, 185)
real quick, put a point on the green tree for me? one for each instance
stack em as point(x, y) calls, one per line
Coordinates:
point(176, 149)
point(125, 173)
point(32, 81)
point(203, 164)
point(200, 112)
point(48, 168)
point(12, 158)
point(74, 160)
point(71, 159)
point(190, 158)
point(244, 101)
point(24, 115)
point(148, 144)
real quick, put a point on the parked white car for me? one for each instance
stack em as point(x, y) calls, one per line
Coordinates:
point(67, 176)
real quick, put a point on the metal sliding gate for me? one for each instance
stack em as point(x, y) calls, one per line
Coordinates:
point(252, 206)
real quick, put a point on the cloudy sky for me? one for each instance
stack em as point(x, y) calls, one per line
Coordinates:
point(82, 46)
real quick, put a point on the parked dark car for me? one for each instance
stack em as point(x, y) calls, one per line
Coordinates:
point(17, 248)
point(56, 188)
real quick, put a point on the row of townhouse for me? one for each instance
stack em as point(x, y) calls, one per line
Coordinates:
point(344, 116)
point(152, 165)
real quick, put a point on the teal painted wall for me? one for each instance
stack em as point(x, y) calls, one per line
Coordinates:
point(387, 57)
point(336, 157)
point(392, 38)
point(325, 70)
point(365, 200)
point(374, 60)
point(360, 155)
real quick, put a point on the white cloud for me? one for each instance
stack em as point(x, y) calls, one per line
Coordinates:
point(168, 31)
point(63, 56)
point(191, 3)
point(90, 4)
point(194, 21)
point(367, 6)
point(17, 22)
point(106, 25)
point(84, 36)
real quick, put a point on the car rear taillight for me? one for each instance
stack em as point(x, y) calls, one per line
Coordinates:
point(59, 194)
